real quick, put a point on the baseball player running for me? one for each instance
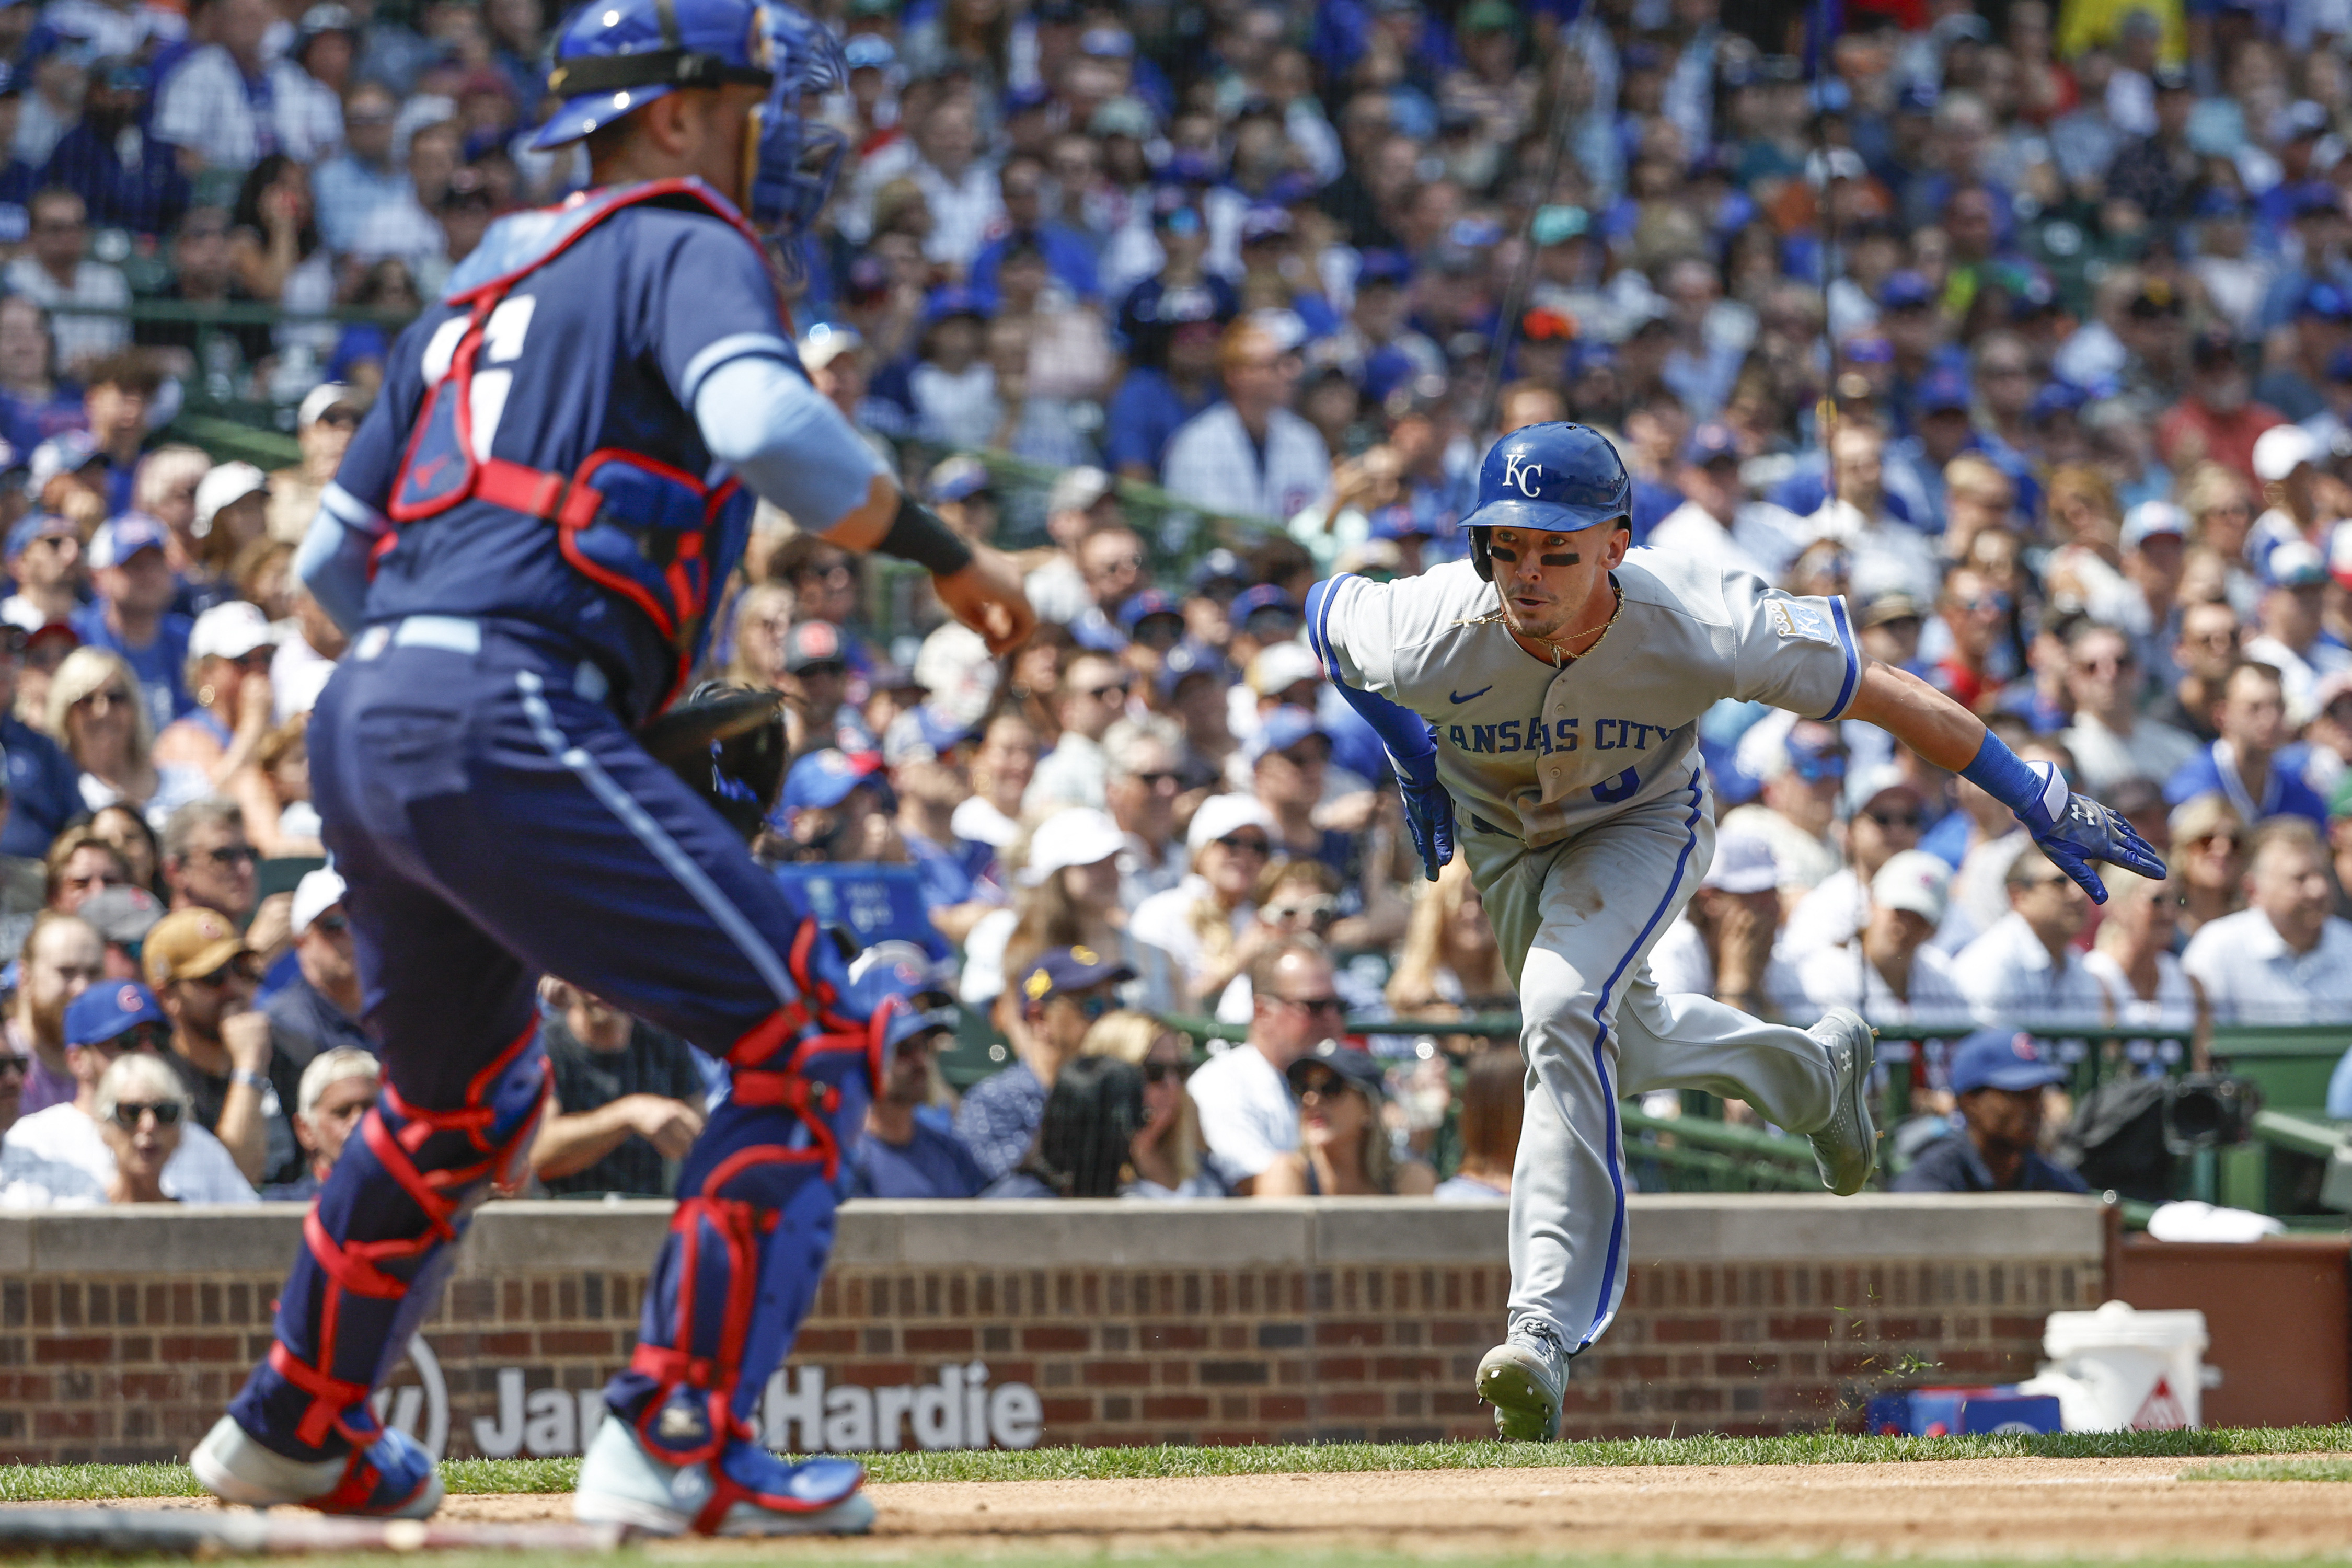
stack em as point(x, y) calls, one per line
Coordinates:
point(526, 540)
point(1546, 689)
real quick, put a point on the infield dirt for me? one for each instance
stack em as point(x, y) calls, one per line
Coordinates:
point(2003, 1509)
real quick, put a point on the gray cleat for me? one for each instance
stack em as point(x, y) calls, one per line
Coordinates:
point(1846, 1150)
point(1525, 1379)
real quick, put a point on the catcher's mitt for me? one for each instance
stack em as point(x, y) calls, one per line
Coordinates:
point(728, 743)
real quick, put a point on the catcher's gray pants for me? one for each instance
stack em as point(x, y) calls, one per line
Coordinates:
point(1576, 921)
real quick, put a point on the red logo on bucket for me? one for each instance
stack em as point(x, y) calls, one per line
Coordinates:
point(2161, 1412)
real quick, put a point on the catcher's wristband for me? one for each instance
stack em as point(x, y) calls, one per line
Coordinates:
point(918, 535)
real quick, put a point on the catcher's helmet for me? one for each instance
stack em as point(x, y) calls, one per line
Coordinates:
point(1556, 478)
point(615, 56)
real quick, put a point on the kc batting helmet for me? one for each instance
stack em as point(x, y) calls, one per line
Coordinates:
point(1556, 478)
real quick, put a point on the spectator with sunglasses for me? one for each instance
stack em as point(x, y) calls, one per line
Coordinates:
point(203, 975)
point(1247, 1115)
point(1802, 765)
point(208, 861)
point(322, 428)
point(1050, 1001)
point(2024, 966)
point(143, 1113)
point(1165, 1156)
point(908, 1150)
point(1092, 698)
point(815, 684)
point(44, 561)
point(1974, 614)
point(1205, 927)
point(60, 1157)
point(97, 708)
point(1344, 1150)
point(1141, 793)
point(63, 957)
point(2112, 739)
point(319, 1010)
point(1888, 823)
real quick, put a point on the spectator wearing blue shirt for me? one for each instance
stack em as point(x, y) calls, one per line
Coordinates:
point(43, 787)
point(126, 178)
point(930, 755)
point(906, 1153)
point(1998, 1077)
point(1047, 1005)
point(132, 614)
point(1022, 183)
point(2240, 765)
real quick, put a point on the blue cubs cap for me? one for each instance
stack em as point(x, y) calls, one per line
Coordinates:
point(960, 477)
point(1059, 971)
point(2313, 197)
point(107, 1009)
point(1905, 290)
point(1264, 597)
point(38, 525)
point(2001, 1059)
point(1709, 442)
point(2057, 397)
point(1399, 521)
point(619, 56)
point(1285, 728)
point(953, 299)
point(2324, 301)
point(1815, 751)
point(1868, 348)
point(1150, 602)
point(124, 537)
point(824, 779)
point(2216, 203)
point(923, 733)
point(1219, 565)
point(867, 51)
point(1189, 658)
point(1943, 392)
point(1554, 477)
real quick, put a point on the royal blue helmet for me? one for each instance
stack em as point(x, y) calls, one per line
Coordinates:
point(615, 56)
point(1559, 477)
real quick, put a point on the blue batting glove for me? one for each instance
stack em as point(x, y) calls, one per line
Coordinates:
point(1428, 812)
point(2076, 832)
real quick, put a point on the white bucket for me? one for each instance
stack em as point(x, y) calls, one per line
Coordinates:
point(2120, 1369)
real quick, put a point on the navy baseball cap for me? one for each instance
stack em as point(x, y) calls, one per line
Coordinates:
point(810, 642)
point(2057, 397)
point(1188, 658)
point(1905, 290)
point(1219, 565)
point(2315, 197)
point(953, 299)
point(1264, 597)
point(1382, 266)
point(1943, 392)
point(1709, 442)
point(2217, 202)
point(107, 1009)
point(1058, 971)
point(1285, 728)
point(824, 779)
point(2001, 1059)
point(1150, 602)
point(1358, 1069)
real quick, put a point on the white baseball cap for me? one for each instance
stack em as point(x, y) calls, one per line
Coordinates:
point(824, 342)
point(1223, 815)
point(1077, 489)
point(226, 485)
point(2150, 517)
point(1743, 863)
point(230, 629)
point(314, 895)
point(1281, 666)
point(1075, 836)
point(1913, 879)
point(325, 396)
point(2282, 449)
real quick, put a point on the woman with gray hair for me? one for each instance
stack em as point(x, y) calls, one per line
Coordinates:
point(141, 1109)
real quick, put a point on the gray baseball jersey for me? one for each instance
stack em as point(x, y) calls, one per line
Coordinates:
point(1540, 754)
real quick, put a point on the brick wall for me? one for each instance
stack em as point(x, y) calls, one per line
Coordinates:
point(1214, 1323)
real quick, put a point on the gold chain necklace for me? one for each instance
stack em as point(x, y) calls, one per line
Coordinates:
point(1561, 658)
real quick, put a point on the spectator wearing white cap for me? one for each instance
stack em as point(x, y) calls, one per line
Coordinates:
point(839, 366)
point(1887, 972)
point(133, 614)
point(229, 652)
point(1206, 926)
point(324, 430)
point(2023, 969)
point(319, 1010)
point(1721, 944)
point(1064, 885)
point(2112, 741)
point(232, 511)
point(2156, 557)
point(2287, 463)
point(2294, 635)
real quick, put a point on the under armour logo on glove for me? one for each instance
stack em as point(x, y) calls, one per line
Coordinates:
point(2081, 833)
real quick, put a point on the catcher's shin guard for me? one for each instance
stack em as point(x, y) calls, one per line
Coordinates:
point(376, 1247)
point(748, 1243)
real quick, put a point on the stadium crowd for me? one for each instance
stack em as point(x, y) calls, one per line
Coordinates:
point(2028, 332)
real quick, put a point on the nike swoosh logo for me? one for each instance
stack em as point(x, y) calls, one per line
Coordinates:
point(1457, 699)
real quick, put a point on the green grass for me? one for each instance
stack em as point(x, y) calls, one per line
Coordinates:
point(2316, 1468)
point(78, 1482)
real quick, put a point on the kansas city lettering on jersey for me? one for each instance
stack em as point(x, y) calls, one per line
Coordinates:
point(1544, 737)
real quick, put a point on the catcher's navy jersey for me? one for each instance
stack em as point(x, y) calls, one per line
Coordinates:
point(601, 350)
